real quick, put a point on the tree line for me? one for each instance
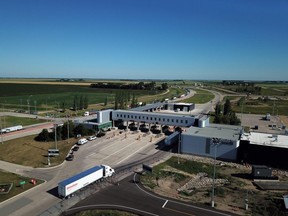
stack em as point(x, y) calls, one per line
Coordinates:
point(68, 129)
point(225, 114)
point(134, 86)
point(124, 99)
point(78, 103)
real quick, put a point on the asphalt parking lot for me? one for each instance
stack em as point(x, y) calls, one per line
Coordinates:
point(264, 126)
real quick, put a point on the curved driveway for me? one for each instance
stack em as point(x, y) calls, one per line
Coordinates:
point(131, 196)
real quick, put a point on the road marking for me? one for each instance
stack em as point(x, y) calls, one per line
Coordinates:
point(180, 212)
point(164, 204)
point(179, 203)
point(133, 153)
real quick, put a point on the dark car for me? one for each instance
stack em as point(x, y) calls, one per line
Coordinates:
point(75, 148)
point(70, 157)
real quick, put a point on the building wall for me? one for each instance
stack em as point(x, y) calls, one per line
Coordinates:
point(203, 146)
point(154, 118)
point(103, 116)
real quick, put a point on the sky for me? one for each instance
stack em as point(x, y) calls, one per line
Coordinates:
point(145, 39)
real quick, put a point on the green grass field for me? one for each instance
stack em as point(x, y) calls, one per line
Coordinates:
point(8, 121)
point(6, 177)
point(200, 97)
point(28, 152)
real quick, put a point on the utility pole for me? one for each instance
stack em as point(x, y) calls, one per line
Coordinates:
point(179, 144)
point(1, 130)
point(215, 141)
point(28, 103)
point(55, 129)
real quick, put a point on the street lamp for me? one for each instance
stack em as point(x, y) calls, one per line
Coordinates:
point(28, 103)
point(1, 130)
point(55, 130)
point(179, 144)
point(35, 103)
point(215, 141)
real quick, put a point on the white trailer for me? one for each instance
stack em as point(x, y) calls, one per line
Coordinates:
point(67, 187)
point(11, 129)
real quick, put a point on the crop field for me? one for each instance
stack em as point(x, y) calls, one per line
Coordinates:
point(50, 96)
point(28, 152)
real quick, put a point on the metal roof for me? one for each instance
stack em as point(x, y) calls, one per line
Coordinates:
point(147, 107)
point(266, 139)
point(80, 175)
point(216, 131)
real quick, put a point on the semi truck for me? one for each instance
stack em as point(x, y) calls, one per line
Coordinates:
point(67, 187)
point(11, 129)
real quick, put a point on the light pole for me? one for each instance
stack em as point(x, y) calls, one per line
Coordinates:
point(35, 103)
point(55, 129)
point(179, 144)
point(28, 103)
point(1, 130)
point(215, 141)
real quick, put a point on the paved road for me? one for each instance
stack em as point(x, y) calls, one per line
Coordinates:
point(131, 196)
point(114, 149)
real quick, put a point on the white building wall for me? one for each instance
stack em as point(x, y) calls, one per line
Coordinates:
point(103, 116)
point(203, 146)
point(153, 118)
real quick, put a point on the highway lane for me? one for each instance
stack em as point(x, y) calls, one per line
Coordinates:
point(131, 196)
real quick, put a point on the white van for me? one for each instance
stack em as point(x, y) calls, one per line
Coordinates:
point(82, 141)
point(86, 113)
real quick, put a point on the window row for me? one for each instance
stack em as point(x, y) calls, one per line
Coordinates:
point(152, 118)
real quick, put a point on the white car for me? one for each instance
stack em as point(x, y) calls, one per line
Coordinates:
point(90, 138)
point(82, 141)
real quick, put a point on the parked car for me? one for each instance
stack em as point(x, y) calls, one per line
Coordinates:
point(70, 157)
point(82, 141)
point(75, 148)
point(90, 138)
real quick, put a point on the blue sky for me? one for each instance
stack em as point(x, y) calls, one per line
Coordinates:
point(144, 39)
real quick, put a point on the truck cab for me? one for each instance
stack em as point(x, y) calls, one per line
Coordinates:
point(107, 171)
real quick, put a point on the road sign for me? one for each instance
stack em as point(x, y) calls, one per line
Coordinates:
point(22, 182)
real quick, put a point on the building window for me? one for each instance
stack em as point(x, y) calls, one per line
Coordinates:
point(167, 120)
point(139, 117)
point(124, 116)
point(151, 118)
point(172, 120)
point(181, 120)
point(127, 116)
point(121, 115)
point(186, 121)
point(159, 119)
point(176, 120)
point(147, 118)
point(117, 115)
